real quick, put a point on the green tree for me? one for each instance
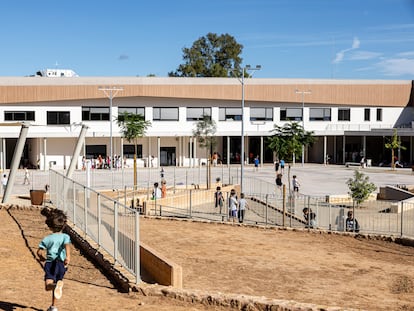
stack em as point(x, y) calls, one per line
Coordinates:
point(287, 140)
point(360, 187)
point(205, 132)
point(211, 56)
point(133, 126)
point(393, 144)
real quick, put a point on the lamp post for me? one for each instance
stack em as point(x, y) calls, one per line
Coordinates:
point(110, 92)
point(303, 118)
point(245, 70)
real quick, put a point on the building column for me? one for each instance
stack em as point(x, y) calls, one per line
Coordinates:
point(261, 150)
point(334, 149)
point(228, 150)
point(195, 149)
point(325, 151)
point(343, 150)
point(3, 155)
point(364, 146)
point(159, 151)
point(44, 153)
point(191, 164)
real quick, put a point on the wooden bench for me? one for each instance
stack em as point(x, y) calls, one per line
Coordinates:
point(348, 164)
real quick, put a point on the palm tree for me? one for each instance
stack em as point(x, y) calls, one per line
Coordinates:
point(133, 126)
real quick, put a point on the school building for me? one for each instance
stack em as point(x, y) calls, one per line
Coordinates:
point(350, 118)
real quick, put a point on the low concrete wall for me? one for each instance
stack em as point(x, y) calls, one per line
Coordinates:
point(162, 270)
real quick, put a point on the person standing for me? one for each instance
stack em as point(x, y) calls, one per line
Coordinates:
point(242, 207)
point(276, 166)
point(4, 180)
point(156, 193)
point(351, 224)
point(54, 249)
point(282, 166)
point(279, 183)
point(256, 163)
point(295, 185)
point(26, 177)
point(233, 205)
point(163, 189)
point(218, 198)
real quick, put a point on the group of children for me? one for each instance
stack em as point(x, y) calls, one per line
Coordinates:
point(236, 207)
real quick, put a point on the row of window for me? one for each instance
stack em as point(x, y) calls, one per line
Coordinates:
point(193, 114)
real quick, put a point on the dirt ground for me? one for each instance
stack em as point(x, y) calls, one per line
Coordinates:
point(310, 267)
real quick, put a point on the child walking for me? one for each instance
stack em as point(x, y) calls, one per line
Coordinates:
point(55, 250)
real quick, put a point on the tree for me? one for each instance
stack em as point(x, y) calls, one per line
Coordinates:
point(133, 126)
point(394, 143)
point(211, 56)
point(287, 140)
point(205, 133)
point(360, 187)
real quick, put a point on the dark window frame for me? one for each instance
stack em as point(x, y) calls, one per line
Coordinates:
point(284, 114)
point(268, 114)
point(14, 115)
point(367, 114)
point(163, 109)
point(88, 114)
point(325, 117)
point(225, 115)
point(58, 117)
point(133, 110)
point(206, 111)
point(379, 114)
point(344, 114)
point(128, 151)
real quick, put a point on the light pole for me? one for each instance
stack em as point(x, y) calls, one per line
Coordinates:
point(245, 70)
point(303, 118)
point(110, 92)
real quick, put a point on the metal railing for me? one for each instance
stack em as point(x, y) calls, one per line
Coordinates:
point(109, 223)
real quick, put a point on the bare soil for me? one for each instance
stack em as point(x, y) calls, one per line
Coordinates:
point(310, 267)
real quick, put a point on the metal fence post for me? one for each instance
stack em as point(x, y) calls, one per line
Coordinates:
point(267, 207)
point(402, 219)
point(190, 201)
point(116, 231)
point(85, 209)
point(74, 206)
point(98, 203)
point(137, 250)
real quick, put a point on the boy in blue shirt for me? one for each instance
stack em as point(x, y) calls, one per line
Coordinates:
point(55, 250)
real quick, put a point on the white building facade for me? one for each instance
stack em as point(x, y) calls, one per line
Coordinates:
point(351, 119)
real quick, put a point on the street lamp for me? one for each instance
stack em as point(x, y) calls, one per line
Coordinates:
point(245, 70)
point(303, 118)
point(110, 92)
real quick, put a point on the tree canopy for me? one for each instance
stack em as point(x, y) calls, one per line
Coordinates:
point(288, 139)
point(360, 187)
point(393, 144)
point(211, 56)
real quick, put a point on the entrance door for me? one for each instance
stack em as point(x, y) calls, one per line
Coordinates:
point(167, 156)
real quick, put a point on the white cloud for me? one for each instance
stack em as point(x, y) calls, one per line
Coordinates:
point(364, 55)
point(397, 66)
point(341, 54)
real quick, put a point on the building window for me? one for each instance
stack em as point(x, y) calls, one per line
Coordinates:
point(196, 114)
point(367, 114)
point(129, 151)
point(132, 110)
point(230, 114)
point(261, 114)
point(320, 114)
point(344, 114)
point(95, 113)
point(58, 117)
point(379, 114)
point(165, 114)
point(19, 116)
point(291, 114)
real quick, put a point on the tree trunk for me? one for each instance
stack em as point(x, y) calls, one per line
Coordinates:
point(392, 160)
point(135, 164)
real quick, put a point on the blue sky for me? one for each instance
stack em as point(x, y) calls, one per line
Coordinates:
point(313, 39)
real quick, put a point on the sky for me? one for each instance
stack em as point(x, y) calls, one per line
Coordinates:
point(310, 39)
